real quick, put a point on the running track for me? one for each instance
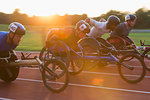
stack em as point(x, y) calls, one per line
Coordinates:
point(29, 86)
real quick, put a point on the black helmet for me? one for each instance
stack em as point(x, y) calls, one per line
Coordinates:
point(113, 20)
point(129, 17)
point(83, 26)
point(17, 28)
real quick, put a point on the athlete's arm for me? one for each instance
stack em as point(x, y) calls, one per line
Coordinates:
point(97, 24)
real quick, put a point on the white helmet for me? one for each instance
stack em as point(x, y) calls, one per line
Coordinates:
point(83, 26)
point(129, 17)
point(17, 28)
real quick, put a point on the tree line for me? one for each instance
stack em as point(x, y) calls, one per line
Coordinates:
point(143, 18)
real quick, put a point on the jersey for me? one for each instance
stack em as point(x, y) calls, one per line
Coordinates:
point(98, 29)
point(67, 35)
point(4, 46)
point(121, 30)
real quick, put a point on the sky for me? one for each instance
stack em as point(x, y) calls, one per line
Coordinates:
point(92, 8)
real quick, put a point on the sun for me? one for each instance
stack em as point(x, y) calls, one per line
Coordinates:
point(61, 7)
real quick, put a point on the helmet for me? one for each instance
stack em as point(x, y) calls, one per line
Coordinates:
point(83, 26)
point(129, 17)
point(17, 28)
point(113, 20)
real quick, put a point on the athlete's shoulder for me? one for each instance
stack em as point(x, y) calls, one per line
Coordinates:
point(3, 32)
point(103, 24)
point(121, 25)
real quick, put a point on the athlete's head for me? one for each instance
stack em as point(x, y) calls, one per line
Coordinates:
point(112, 22)
point(130, 19)
point(82, 28)
point(16, 33)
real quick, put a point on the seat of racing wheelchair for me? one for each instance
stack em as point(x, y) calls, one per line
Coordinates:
point(104, 42)
point(100, 44)
point(118, 42)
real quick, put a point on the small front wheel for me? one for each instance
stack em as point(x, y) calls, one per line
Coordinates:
point(132, 70)
point(55, 75)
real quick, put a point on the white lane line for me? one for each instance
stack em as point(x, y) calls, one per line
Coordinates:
point(111, 74)
point(91, 86)
point(100, 73)
point(5, 99)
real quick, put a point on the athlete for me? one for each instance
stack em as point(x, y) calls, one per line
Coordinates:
point(10, 40)
point(124, 28)
point(101, 27)
point(68, 35)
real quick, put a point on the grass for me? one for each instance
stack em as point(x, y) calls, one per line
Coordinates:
point(35, 37)
point(31, 42)
point(3, 27)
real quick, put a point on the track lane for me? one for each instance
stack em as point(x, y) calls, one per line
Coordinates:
point(29, 86)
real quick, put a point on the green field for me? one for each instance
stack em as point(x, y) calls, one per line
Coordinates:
point(35, 37)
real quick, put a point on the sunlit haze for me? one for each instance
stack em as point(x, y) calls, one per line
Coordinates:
point(90, 7)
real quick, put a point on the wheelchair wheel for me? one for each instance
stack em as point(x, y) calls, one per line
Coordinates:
point(45, 55)
point(77, 61)
point(59, 51)
point(90, 48)
point(55, 75)
point(133, 70)
point(9, 74)
point(146, 55)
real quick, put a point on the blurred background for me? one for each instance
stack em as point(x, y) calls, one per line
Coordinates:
point(39, 16)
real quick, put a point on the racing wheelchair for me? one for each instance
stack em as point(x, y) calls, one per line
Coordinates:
point(73, 59)
point(90, 52)
point(121, 44)
point(131, 66)
point(54, 72)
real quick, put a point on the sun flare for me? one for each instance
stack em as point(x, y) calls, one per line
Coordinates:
point(61, 7)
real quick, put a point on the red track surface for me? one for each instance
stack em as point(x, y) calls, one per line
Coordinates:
point(29, 86)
